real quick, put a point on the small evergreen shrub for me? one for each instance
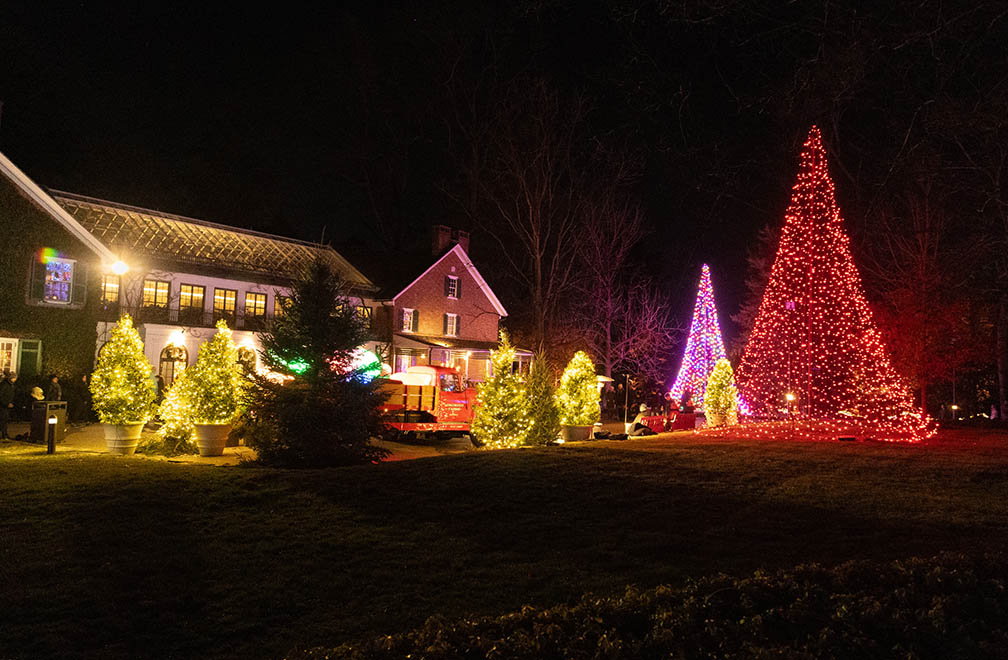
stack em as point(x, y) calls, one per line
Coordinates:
point(176, 412)
point(543, 413)
point(721, 398)
point(122, 385)
point(578, 396)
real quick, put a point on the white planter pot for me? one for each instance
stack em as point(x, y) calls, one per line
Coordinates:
point(211, 438)
point(123, 438)
point(576, 433)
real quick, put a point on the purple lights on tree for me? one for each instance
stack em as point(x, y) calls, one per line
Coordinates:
point(704, 346)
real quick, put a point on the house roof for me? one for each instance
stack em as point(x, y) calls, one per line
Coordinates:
point(48, 205)
point(178, 239)
point(475, 274)
point(454, 343)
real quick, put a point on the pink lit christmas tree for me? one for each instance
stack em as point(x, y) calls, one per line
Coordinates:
point(704, 347)
point(815, 358)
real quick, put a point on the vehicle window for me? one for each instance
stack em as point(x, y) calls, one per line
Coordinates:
point(450, 383)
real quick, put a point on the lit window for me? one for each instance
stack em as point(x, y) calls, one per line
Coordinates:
point(452, 286)
point(110, 289)
point(255, 305)
point(279, 304)
point(58, 279)
point(155, 293)
point(363, 313)
point(224, 302)
point(451, 325)
point(191, 296)
point(409, 320)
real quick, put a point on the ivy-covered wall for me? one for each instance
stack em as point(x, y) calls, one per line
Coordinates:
point(68, 335)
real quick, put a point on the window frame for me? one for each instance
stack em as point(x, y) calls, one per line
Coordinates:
point(449, 330)
point(183, 293)
point(403, 325)
point(157, 290)
point(256, 296)
point(224, 311)
point(452, 282)
point(106, 280)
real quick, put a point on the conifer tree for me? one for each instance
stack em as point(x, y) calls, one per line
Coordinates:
point(502, 418)
point(176, 414)
point(704, 346)
point(722, 395)
point(815, 353)
point(122, 385)
point(543, 413)
point(216, 384)
point(578, 396)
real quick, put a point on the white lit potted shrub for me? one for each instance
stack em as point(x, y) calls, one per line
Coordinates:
point(578, 398)
point(122, 388)
point(215, 387)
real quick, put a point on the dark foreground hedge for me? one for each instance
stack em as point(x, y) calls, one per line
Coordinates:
point(950, 606)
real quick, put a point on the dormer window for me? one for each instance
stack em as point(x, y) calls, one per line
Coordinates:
point(452, 287)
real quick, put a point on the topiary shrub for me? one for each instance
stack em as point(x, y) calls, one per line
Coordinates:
point(215, 385)
point(176, 412)
point(721, 399)
point(578, 395)
point(122, 385)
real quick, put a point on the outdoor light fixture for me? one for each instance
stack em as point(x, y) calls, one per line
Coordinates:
point(51, 435)
point(119, 268)
point(789, 396)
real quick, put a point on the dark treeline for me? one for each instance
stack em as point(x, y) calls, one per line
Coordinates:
point(669, 131)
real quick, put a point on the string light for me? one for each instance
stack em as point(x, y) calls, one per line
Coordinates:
point(704, 346)
point(501, 417)
point(578, 394)
point(214, 388)
point(122, 387)
point(722, 396)
point(815, 365)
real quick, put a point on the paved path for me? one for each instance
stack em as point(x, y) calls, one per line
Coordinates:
point(90, 438)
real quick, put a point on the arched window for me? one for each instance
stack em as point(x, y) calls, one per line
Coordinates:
point(247, 359)
point(173, 360)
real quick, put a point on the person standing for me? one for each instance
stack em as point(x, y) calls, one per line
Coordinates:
point(6, 402)
point(54, 391)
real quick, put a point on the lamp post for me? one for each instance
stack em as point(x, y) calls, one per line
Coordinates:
point(51, 434)
point(790, 397)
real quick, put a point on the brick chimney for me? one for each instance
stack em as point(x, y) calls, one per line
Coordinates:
point(444, 237)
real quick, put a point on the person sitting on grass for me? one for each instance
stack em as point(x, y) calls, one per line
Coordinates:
point(638, 427)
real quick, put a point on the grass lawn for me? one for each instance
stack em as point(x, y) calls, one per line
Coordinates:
point(124, 558)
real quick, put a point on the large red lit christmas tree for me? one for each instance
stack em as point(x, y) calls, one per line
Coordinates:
point(704, 346)
point(815, 358)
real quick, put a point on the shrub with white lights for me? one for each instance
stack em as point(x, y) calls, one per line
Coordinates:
point(216, 384)
point(122, 387)
point(578, 396)
point(722, 395)
point(501, 418)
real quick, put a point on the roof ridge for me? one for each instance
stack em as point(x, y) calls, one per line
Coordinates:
point(182, 218)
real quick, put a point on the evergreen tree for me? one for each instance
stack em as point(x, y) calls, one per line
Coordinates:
point(578, 396)
point(814, 341)
point(502, 417)
point(543, 413)
point(122, 385)
point(320, 415)
point(704, 347)
point(176, 415)
point(215, 387)
point(722, 395)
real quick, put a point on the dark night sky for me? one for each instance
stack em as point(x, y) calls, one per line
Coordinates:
point(263, 118)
